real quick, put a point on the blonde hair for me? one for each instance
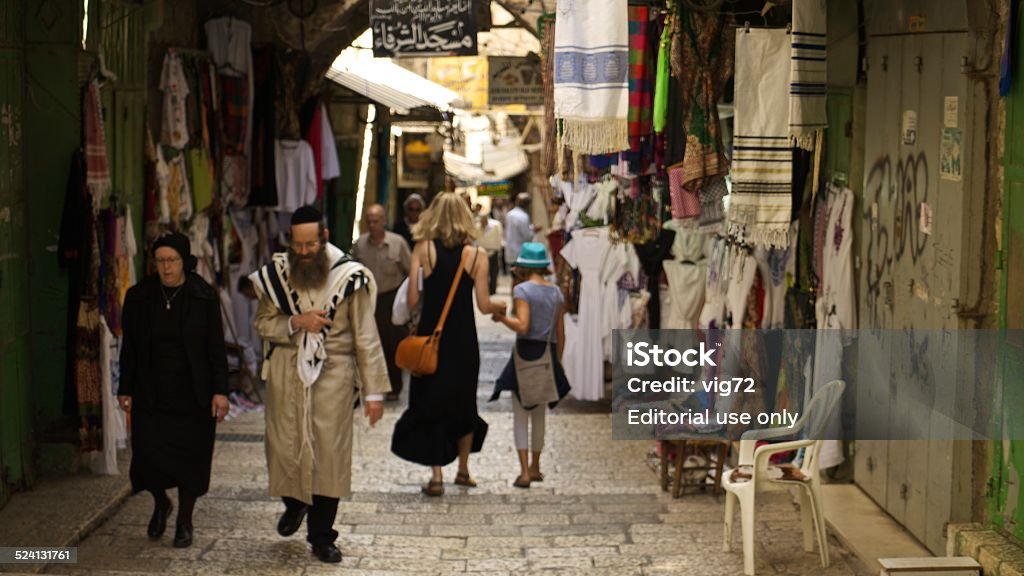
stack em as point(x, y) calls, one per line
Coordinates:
point(447, 219)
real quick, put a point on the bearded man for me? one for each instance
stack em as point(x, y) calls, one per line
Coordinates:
point(316, 320)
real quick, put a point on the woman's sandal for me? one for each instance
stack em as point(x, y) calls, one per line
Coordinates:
point(538, 477)
point(463, 479)
point(433, 488)
point(520, 483)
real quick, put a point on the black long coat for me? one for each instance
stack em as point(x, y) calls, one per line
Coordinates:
point(202, 330)
point(173, 447)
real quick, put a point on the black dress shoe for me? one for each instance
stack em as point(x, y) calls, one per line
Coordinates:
point(328, 553)
point(291, 520)
point(182, 536)
point(158, 522)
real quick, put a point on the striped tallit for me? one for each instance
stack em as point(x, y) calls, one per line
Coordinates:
point(762, 166)
point(807, 112)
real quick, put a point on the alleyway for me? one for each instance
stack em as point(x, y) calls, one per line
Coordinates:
point(599, 511)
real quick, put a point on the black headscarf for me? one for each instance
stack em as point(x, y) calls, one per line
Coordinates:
point(180, 243)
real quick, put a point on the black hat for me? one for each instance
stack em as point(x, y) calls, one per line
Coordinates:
point(181, 244)
point(306, 215)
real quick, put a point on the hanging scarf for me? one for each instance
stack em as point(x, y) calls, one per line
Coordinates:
point(639, 79)
point(88, 378)
point(704, 65)
point(760, 208)
point(97, 176)
point(547, 56)
point(663, 77)
point(807, 112)
point(591, 70)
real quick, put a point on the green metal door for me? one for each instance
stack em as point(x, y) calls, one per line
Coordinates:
point(15, 446)
point(1006, 503)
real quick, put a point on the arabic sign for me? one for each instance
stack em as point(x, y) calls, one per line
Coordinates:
point(514, 80)
point(423, 27)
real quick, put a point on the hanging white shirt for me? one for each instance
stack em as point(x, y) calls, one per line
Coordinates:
point(296, 176)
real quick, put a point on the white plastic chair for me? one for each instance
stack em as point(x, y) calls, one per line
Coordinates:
point(762, 476)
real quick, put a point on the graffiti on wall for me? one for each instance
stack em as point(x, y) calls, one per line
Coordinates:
point(903, 186)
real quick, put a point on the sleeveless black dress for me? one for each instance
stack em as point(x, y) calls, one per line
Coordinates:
point(442, 406)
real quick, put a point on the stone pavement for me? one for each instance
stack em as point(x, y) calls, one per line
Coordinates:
point(599, 511)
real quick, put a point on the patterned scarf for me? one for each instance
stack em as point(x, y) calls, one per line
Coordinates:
point(807, 112)
point(97, 175)
point(703, 63)
point(591, 75)
point(88, 377)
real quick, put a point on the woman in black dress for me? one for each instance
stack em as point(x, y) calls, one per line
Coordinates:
point(173, 382)
point(442, 423)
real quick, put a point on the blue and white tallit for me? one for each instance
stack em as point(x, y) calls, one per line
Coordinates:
point(808, 115)
point(760, 207)
point(591, 75)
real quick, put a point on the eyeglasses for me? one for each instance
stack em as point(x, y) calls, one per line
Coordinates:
point(167, 261)
point(306, 245)
point(413, 209)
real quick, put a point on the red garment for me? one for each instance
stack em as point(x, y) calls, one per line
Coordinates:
point(315, 138)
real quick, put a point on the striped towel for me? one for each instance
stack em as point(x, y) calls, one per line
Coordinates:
point(807, 113)
point(762, 168)
point(591, 70)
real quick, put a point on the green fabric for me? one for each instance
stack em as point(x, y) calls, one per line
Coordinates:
point(662, 80)
point(202, 183)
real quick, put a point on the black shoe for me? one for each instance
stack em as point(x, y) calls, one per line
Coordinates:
point(291, 520)
point(328, 553)
point(182, 536)
point(158, 522)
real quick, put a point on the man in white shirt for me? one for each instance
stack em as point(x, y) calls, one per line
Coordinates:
point(491, 240)
point(518, 229)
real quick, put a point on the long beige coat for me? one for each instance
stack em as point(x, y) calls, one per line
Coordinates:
point(352, 342)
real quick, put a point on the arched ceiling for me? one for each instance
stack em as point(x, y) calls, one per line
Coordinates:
point(325, 27)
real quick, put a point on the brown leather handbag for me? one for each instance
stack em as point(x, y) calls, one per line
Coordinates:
point(418, 354)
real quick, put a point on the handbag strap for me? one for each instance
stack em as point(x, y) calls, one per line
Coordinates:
point(451, 292)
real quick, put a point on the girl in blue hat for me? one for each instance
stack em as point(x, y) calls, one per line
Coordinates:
point(538, 310)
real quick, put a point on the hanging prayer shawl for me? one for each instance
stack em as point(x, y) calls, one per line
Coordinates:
point(97, 176)
point(704, 65)
point(760, 208)
point(807, 113)
point(590, 68)
point(345, 277)
point(639, 80)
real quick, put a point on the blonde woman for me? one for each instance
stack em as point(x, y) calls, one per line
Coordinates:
point(441, 422)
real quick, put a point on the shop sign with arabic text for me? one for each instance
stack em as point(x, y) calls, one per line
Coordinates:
point(423, 27)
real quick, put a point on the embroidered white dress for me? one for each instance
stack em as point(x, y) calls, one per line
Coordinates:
point(583, 359)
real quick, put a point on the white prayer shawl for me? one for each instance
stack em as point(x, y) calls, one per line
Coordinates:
point(760, 209)
point(345, 276)
point(807, 112)
point(591, 75)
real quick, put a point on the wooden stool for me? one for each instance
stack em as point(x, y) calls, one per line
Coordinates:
point(684, 448)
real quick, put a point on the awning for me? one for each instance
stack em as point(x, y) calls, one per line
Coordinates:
point(500, 162)
point(388, 84)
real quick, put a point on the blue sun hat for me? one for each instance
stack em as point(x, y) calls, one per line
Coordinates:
point(533, 255)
